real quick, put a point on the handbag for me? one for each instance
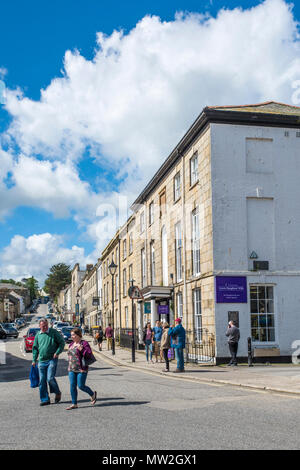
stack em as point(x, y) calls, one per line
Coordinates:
point(88, 360)
point(34, 376)
point(170, 354)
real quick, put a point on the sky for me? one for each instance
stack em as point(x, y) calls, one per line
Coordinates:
point(94, 95)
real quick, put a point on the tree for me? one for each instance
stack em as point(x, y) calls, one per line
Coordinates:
point(58, 278)
point(33, 287)
point(11, 281)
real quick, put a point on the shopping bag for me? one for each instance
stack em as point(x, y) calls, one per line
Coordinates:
point(170, 354)
point(34, 376)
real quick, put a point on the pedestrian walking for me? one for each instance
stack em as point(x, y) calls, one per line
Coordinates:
point(158, 331)
point(47, 346)
point(148, 338)
point(78, 351)
point(83, 329)
point(99, 338)
point(177, 334)
point(233, 334)
point(109, 336)
point(165, 345)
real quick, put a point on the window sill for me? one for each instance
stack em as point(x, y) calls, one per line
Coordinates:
point(176, 200)
point(193, 185)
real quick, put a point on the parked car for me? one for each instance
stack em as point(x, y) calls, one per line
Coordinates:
point(20, 323)
point(29, 339)
point(10, 330)
point(66, 333)
point(3, 335)
point(59, 325)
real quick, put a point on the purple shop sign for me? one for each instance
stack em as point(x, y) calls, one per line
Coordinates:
point(231, 289)
point(163, 309)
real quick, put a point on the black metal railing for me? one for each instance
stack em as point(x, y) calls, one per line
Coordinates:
point(200, 346)
point(125, 335)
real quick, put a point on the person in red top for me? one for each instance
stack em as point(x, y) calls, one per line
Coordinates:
point(109, 336)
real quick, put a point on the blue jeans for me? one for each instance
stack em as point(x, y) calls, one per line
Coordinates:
point(47, 372)
point(179, 358)
point(78, 379)
point(148, 347)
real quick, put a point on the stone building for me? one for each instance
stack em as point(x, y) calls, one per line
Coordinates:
point(88, 294)
point(213, 236)
point(13, 301)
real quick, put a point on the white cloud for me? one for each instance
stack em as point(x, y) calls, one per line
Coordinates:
point(132, 103)
point(33, 256)
point(142, 90)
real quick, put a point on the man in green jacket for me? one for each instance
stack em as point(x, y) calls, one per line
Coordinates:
point(47, 346)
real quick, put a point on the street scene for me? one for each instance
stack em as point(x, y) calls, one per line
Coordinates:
point(149, 227)
point(133, 399)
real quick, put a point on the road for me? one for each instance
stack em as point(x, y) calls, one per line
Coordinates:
point(136, 410)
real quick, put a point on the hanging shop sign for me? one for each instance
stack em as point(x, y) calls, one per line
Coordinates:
point(163, 309)
point(147, 307)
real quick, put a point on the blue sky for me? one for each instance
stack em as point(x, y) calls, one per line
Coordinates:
point(97, 164)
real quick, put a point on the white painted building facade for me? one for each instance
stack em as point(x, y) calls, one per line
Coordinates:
point(256, 211)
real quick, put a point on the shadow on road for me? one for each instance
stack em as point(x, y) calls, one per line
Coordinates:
point(18, 368)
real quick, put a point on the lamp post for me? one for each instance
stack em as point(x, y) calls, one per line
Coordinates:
point(77, 307)
point(112, 269)
point(131, 281)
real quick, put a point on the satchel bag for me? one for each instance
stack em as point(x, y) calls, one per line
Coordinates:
point(88, 360)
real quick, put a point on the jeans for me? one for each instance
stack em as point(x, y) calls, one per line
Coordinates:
point(78, 379)
point(233, 348)
point(179, 358)
point(148, 347)
point(165, 351)
point(47, 372)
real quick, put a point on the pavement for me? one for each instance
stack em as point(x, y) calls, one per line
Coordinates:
point(275, 378)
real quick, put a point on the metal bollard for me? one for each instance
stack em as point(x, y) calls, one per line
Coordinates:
point(250, 352)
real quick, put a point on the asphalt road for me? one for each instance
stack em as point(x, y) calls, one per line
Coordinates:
point(137, 410)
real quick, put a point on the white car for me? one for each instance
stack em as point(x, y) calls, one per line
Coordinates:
point(60, 324)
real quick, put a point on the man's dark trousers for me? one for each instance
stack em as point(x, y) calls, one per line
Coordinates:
point(233, 348)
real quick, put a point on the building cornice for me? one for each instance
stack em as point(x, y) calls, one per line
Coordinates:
point(214, 116)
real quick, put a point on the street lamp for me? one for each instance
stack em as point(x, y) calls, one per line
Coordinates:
point(113, 269)
point(77, 307)
point(131, 282)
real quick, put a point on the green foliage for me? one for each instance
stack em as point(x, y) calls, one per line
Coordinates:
point(33, 287)
point(11, 281)
point(58, 278)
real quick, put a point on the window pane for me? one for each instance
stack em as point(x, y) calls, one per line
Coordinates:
point(262, 320)
point(262, 306)
point(253, 292)
point(263, 334)
point(269, 292)
point(255, 334)
point(254, 321)
point(254, 306)
point(271, 321)
point(261, 292)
